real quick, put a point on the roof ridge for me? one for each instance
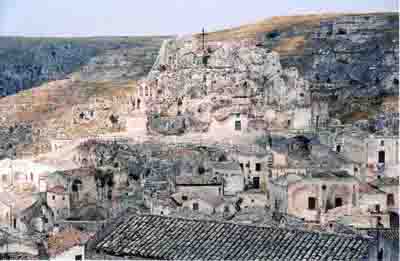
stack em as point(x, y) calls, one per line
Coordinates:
point(252, 225)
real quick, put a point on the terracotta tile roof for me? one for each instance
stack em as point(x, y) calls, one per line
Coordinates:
point(57, 190)
point(160, 237)
point(65, 240)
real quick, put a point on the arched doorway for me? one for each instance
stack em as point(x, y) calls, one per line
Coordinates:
point(394, 219)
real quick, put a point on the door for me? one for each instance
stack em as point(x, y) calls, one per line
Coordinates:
point(381, 156)
point(256, 182)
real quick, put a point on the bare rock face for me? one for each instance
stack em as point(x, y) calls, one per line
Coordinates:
point(194, 86)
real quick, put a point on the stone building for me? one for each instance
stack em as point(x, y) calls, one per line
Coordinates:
point(58, 200)
point(391, 187)
point(232, 177)
point(200, 184)
point(255, 164)
point(310, 195)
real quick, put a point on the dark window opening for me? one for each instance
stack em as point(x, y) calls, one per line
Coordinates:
point(396, 81)
point(273, 34)
point(184, 197)
point(381, 157)
point(355, 169)
point(179, 113)
point(301, 94)
point(256, 182)
point(377, 80)
point(78, 257)
point(180, 102)
point(289, 122)
point(390, 199)
point(377, 208)
point(54, 197)
point(195, 206)
point(341, 31)
point(328, 80)
point(317, 77)
point(382, 143)
point(338, 148)
point(312, 203)
point(258, 166)
point(338, 202)
point(238, 125)
point(241, 165)
point(226, 209)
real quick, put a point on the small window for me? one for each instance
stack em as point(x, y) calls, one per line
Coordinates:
point(241, 166)
point(184, 197)
point(301, 94)
point(355, 169)
point(195, 206)
point(226, 209)
point(162, 213)
point(312, 203)
point(338, 148)
point(377, 208)
point(54, 197)
point(63, 198)
point(238, 125)
point(258, 166)
point(396, 81)
point(78, 257)
point(382, 143)
point(390, 199)
point(338, 202)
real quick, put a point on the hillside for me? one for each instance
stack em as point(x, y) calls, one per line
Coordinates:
point(346, 55)
point(28, 62)
point(83, 86)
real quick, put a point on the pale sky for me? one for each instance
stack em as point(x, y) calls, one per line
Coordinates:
point(162, 17)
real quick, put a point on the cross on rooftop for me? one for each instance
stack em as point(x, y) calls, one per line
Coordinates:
point(203, 36)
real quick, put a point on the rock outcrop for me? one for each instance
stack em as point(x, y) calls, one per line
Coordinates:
point(193, 86)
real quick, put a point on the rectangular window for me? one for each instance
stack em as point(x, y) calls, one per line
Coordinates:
point(258, 166)
point(78, 257)
point(312, 203)
point(195, 206)
point(54, 197)
point(338, 202)
point(377, 208)
point(63, 198)
point(382, 143)
point(238, 125)
point(390, 199)
point(241, 166)
point(256, 182)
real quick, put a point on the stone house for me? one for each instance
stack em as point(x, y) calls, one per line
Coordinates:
point(22, 175)
point(201, 184)
point(378, 155)
point(232, 177)
point(253, 199)
point(68, 244)
point(58, 200)
point(391, 187)
point(13, 208)
point(254, 163)
point(310, 195)
point(203, 203)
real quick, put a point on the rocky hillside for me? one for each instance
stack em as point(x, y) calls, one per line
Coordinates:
point(29, 62)
point(347, 56)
